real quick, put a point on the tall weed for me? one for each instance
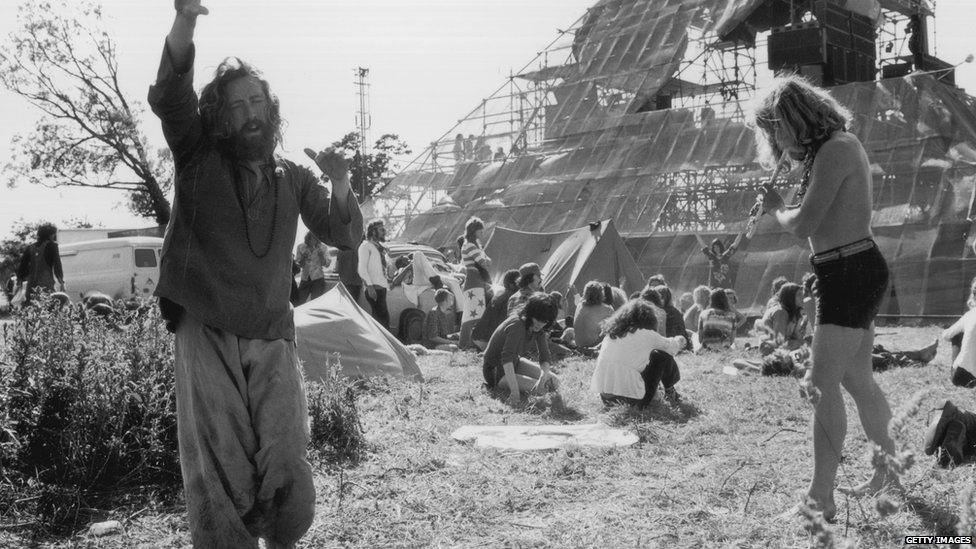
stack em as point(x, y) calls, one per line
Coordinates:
point(88, 407)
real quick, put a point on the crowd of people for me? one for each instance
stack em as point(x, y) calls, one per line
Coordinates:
point(242, 415)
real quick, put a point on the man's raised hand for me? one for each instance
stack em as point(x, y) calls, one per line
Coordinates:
point(190, 8)
point(333, 165)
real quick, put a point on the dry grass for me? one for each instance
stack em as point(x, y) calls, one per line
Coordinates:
point(714, 472)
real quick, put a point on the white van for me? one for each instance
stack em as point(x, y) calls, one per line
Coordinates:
point(118, 267)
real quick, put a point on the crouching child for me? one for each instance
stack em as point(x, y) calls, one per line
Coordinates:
point(505, 365)
point(440, 331)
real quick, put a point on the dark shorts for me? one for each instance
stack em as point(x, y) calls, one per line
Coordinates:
point(850, 288)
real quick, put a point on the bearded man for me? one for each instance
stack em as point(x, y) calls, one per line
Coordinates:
point(242, 414)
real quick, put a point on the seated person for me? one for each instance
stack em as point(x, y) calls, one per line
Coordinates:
point(674, 320)
point(717, 324)
point(496, 311)
point(652, 296)
point(701, 296)
point(782, 325)
point(635, 358)
point(685, 303)
point(590, 315)
point(964, 363)
point(529, 282)
point(740, 318)
point(504, 363)
point(440, 328)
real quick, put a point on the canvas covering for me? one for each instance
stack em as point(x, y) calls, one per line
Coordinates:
point(604, 155)
point(572, 257)
point(334, 322)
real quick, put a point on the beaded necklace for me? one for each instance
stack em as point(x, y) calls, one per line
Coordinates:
point(274, 215)
point(805, 179)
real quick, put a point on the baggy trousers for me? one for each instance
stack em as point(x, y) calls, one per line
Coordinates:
point(242, 418)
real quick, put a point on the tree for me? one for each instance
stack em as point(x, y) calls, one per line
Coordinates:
point(62, 61)
point(370, 173)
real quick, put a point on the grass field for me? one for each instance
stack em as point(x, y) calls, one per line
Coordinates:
point(714, 471)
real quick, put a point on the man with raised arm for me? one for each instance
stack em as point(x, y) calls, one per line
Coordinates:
point(242, 414)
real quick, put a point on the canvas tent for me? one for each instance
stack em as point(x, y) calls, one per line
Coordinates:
point(567, 257)
point(608, 144)
point(336, 323)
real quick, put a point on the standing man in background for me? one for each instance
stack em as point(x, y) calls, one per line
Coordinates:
point(374, 262)
point(242, 414)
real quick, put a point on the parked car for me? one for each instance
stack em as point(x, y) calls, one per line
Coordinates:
point(118, 267)
point(407, 319)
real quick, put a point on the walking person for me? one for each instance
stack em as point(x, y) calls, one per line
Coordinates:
point(476, 279)
point(242, 413)
point(40, 264)
point(804, 124)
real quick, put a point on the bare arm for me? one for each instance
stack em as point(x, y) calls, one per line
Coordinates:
point(180, 38)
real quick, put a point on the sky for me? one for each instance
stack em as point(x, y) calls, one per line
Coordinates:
point(430, 61)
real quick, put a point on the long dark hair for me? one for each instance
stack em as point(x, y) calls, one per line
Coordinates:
point(787, 300)
point(472, 226)
point(45, 232)
point(213, 99)
point(634, 315)
point(719, 300)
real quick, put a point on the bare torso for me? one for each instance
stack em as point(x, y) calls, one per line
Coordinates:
point(848, 216)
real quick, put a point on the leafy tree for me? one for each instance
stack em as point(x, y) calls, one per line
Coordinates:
point(62, 61)
point(370, 173)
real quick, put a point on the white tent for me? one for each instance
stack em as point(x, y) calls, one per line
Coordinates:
point(335, 323)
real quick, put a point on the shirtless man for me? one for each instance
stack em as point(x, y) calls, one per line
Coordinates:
point(834, 214)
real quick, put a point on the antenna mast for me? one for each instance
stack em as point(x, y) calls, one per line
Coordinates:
point(364, 121)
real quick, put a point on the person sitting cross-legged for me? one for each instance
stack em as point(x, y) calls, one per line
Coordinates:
point(589, 316)
point(635, 358)
point(717, 324)
point(504, 362)
point(439, 327)
point(782, 325)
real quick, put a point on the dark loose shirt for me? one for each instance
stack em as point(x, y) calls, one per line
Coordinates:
point(509, 343)
point(208, 265)
point(675, 325)
point(40, 265)
point(438, 324)
point(494, 315)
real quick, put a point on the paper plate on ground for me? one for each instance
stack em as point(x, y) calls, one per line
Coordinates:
point(544, 437)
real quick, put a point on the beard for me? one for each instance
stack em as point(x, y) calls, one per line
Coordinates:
point(242, 147)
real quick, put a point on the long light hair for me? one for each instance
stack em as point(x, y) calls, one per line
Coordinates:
point(807, 112)
point(971, 302)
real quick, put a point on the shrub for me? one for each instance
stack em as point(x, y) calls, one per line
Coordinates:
point(336, 429)
point(88, 407)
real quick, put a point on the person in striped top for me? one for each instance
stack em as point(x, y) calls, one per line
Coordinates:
point(477, 280)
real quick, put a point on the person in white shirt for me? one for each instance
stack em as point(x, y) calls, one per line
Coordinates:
point(635, 358)
point(373, 264)
point(964, 363)
point(313, 258)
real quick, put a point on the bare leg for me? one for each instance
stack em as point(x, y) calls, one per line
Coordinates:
point(527, 374)
point(874, 411)
point(833, 349)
